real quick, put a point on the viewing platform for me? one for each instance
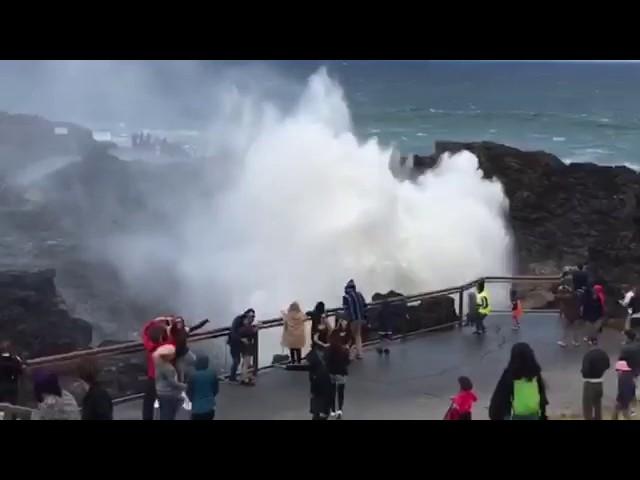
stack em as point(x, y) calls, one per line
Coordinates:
point(416, 381)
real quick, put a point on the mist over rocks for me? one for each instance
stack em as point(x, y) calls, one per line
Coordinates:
point(563, 214)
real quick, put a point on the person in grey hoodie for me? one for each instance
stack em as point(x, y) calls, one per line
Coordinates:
point(169, 389)
point(202, 389)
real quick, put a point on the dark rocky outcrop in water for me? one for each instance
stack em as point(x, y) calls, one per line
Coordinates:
point(428, 313)
point(564, 214)
point(34, 317)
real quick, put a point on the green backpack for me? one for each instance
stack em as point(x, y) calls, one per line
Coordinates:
point(526, 397)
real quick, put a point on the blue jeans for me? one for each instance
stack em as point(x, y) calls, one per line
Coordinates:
point(235, 361)
point(169, 407)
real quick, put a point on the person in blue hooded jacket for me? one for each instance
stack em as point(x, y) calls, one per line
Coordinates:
point(202, 389)
point(355, 310)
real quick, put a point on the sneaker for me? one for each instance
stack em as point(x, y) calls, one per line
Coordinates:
point(562, 344)
point(477, 332)
point(358, 357)
point(233, 380)
point(332, 414)
point(386, 351)
point(515, 327)
point(339, 415)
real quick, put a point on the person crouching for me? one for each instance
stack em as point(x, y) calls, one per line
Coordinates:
point(202, 389)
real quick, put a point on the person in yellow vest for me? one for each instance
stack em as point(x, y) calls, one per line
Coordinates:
point(484, 309)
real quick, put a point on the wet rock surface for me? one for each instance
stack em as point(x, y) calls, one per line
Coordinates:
point(563, 214)
point(34, 316)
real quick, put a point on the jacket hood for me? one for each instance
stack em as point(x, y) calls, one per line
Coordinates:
point(351, 285)
point(202, 362)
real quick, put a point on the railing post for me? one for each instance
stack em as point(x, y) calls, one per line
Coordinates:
point(461, 306)
point(256, 353)
point(405, 319)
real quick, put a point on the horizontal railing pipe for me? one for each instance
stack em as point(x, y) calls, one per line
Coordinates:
point(137, 347)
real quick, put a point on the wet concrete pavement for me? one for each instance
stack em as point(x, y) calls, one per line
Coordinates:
point(420, 376)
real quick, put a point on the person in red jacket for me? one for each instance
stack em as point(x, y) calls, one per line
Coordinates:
point(462, 403)
point(154, 334)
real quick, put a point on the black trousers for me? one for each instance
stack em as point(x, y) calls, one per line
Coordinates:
point(480, 322)
point(204, 416)
point(296, 355)
point(235, 353)
point(337, 390)
point(149, 399)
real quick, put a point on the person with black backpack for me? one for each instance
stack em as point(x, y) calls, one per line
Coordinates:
point(320, 385)
point(520, 393)
point(11, 369)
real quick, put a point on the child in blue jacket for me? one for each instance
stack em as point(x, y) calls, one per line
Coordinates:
point(202, 389)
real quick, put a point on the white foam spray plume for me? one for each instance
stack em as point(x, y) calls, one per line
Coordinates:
point(310, 207)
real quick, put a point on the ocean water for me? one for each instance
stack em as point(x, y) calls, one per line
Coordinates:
point(576, 110)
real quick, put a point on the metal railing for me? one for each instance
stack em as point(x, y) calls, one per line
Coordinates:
point(137, 347)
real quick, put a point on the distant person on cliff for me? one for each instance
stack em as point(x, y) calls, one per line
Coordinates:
point(462, 404)
point(484, 308)
point(520, 393)
point(11, 370)
point(320, 385)
point(337, 357)
point(179, 332)
point(202, 389)
point(154, 334)
point(569, 305)
point(293, 332)
point(96, 403)
point(355, 308)
point(594, 365)
point(54, 403)
point(516, 309)
point(592, 312)
point(170, 390)
point(236, 344)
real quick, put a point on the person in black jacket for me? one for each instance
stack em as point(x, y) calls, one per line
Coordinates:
point(626, 391)
point(316, 316)
point(522, 365)
point(592, 312)
point(11, 369)
point(235, 342)
point(179, 332)
point(630, 352)
point(97, 403)
point(594, 365)
point(320, 385)
point(337, 358)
